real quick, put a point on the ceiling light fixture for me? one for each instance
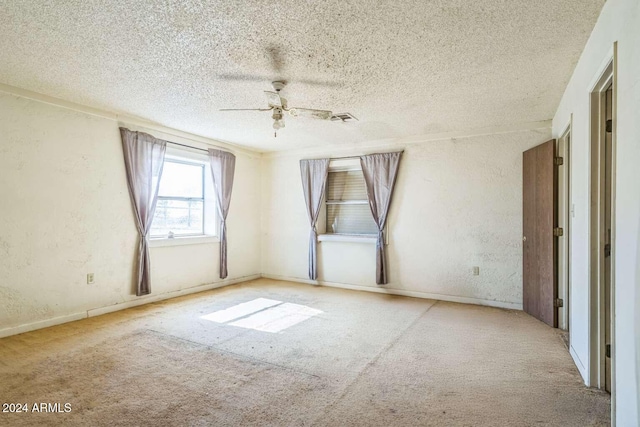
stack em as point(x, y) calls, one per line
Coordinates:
point(278, 124)
point(278, 121)
point(278, 105)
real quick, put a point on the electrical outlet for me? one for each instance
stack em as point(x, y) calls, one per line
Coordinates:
point(90, 279)
point(476, 271)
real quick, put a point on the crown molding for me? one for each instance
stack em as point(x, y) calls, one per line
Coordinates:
point(400, 143)
point(334, 150)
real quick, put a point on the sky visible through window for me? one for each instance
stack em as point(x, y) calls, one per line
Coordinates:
point(180, 206)
point(181, 180)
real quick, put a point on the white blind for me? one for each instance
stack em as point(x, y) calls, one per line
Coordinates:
point(347, 206)
point(346, 185)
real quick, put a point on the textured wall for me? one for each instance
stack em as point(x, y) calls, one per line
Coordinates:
point(619, 21)
point(457, 205)
point(65, 212)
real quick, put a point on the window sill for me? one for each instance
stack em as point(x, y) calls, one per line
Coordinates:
point(180, 241)
point(351, 238)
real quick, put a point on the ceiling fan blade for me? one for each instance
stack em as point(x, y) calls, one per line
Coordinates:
point(273, 99)
point(311, 113)
point(244, 109)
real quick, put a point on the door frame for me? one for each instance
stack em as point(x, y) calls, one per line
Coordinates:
point(597, 233)
point(565, 213)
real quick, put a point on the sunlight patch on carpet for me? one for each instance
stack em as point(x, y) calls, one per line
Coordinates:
point(263, 314)
point(241, 310)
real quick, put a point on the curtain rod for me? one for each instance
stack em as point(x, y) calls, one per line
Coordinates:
point(187, 146)
point(201, 149)
point(177, 143)
point(357, 157)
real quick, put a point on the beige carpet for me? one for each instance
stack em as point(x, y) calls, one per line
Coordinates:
point(367, 360)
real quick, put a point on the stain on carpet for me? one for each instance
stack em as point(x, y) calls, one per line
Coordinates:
point(161, 380)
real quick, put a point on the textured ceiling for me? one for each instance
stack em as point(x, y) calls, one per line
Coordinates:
point(403, 68)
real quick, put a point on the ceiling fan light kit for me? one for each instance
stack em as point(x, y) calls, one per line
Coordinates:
point(277, 105)
point(278, 122)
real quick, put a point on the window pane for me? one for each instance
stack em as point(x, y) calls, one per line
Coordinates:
point(350, 219)
point(179, 217)
point(181, 180)
point(346, 185)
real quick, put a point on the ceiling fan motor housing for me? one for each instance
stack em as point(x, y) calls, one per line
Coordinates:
point(278, 85)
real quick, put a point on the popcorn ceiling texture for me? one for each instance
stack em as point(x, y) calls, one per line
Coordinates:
point(409, 68)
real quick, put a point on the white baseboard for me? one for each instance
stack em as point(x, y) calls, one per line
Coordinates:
point(173, 294)
point(291, 279)
point(416, 294)
point(40, 324)
point(167, 295)
point(15, 330)
point(579, 365)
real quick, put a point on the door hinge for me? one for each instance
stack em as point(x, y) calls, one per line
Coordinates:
point(609, 126)
point(558, 302)
point(607, 350)
point(558, 161)
point(558, 231)
point(607, 250)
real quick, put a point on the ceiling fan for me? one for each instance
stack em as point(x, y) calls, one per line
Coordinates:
point(278, 106)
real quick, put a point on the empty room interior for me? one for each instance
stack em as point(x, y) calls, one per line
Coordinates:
point(336, 213)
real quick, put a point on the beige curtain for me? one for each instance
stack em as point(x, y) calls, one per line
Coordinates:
point(223, 165)
point(314, 181)
point(380, 171)
point(143, 160)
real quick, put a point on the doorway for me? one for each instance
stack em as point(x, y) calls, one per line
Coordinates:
point(602, 230)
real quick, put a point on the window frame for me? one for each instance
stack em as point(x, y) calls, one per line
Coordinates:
point(187, 199)
point(209, 211)
point(327, 235)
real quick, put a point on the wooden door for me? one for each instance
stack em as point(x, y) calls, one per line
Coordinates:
point(539, 288)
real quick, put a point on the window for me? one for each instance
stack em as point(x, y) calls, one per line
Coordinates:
point(347, 205)
point(180, 210)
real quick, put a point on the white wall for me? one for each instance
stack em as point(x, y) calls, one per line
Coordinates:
point(619, 21)
point(458, 204)
point(65, 212)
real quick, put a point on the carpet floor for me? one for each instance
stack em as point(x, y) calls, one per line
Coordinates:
point(287, 354)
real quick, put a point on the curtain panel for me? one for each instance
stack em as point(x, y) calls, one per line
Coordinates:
point(223, 165)
point(314, 181)
point(380, 172)
point(143, 160)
